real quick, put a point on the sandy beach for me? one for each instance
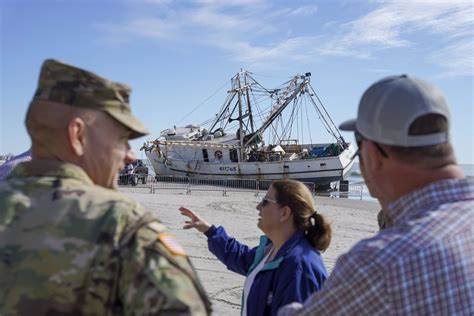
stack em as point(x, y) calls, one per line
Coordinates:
point(352, 220)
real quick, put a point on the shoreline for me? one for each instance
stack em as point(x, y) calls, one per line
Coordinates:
point(352, 220)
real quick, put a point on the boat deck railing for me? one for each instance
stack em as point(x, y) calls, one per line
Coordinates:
point(154, 184)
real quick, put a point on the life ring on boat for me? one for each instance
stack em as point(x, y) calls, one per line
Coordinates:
point(218, 154)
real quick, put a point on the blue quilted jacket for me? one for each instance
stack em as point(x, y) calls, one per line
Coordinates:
point(296, 272)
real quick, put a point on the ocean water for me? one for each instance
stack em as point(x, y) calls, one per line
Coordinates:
point(356, 178)
point(468, 169)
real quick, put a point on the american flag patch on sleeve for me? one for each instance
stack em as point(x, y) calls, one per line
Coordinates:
point(169, 241)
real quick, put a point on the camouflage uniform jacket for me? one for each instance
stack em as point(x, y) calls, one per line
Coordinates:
point(68, 246)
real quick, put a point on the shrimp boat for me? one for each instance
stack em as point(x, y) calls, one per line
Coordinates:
point(253, 137)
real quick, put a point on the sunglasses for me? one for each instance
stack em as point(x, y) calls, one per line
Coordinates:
point(359, 138)
point(266, 200)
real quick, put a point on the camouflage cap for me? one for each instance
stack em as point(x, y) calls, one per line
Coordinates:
point(62, 83)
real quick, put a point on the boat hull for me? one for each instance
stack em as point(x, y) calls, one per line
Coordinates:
point(321, 171)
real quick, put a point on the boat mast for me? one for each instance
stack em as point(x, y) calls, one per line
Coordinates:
point(252, 129)
point(241, 125)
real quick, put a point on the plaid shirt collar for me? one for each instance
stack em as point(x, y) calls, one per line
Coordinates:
point(427, 198)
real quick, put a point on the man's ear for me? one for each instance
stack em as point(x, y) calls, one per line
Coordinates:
point(77, 135)
point(285, 214)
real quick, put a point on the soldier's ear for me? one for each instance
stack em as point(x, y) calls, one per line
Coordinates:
point(77, 135)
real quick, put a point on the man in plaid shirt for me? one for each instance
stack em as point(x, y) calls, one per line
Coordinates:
point(423, 262)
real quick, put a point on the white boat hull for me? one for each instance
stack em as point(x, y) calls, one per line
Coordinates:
point(321, 171)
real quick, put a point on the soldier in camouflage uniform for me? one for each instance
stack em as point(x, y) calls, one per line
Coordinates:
point(70, 243)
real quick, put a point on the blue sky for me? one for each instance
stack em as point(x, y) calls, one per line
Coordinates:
point(175, 54)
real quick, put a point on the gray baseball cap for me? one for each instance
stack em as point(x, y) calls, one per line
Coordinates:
point(391, 105)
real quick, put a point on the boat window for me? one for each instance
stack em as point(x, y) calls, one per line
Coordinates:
point(233, 155)
point(205, 156)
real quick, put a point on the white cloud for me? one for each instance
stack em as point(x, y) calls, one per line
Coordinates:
point(219, 21)
point(230, 2)
point(251, 31)
point(247, 53)
point(456, 58)
point(160, 2)
point(394, 24)
point(154, 28)
point(306, 10)
point(385, 26)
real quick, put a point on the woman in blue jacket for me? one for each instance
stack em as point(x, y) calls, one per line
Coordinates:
point(287, 266)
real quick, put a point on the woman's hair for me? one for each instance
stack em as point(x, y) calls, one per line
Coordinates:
point(297, 196)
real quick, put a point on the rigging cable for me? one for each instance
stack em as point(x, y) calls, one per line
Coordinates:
point(300, 109)
point(323, 119)
point(327, 114)
point(200, 104)
point(307, 118)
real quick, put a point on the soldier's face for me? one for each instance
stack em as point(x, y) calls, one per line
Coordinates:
point(107, 151)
